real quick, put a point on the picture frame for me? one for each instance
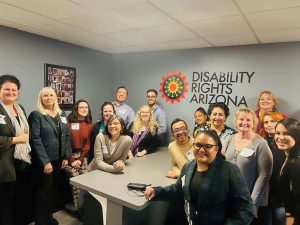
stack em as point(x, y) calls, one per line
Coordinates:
point(63, 81)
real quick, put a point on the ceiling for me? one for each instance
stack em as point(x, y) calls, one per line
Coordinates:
point(119, 26)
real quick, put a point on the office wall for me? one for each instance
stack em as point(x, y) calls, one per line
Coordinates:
point(24, 55)
point(273, 67)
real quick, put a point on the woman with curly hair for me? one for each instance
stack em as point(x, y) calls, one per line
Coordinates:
point(144, 133)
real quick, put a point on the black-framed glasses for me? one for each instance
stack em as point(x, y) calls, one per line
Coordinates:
point(180, 130)
point(206, 147)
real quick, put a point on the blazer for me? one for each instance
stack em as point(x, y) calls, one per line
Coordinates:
point(45, 140)
point(7, 149)
point(223, 196)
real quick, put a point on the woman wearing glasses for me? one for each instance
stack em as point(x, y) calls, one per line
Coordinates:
point(144, 130)
point(80, 126)
point(213, 189)
point(252, 155)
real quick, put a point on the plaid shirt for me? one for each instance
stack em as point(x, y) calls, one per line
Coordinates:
point(223, 197)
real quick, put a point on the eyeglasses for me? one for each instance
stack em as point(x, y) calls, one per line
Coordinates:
point(145, 112)
point(206, 147)
point(178, 130)
point(151, 96)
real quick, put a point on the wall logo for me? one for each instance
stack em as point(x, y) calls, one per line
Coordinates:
point(173, 86)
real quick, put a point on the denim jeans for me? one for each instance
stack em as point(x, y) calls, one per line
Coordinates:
point(276, 215)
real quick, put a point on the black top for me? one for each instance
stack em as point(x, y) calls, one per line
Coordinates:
point(275, 199)
point(289, 184)
point(194, 188)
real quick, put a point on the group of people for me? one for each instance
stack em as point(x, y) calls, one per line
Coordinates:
point(241, 175)
point(245, 175)
point(38, 155)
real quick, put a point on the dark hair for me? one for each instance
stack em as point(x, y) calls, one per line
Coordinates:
point(111, 118)
point(213, 134)
point(123, 87)
point(152, 90)
point(293, 128)
point(73, 116)
point(102, 107)
point(9, 78)
point(221, 105)
point(176, 121)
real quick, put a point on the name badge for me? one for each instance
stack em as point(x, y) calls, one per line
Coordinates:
point(75, 126)
point(246, 152)
point(63, 119)
point(122, 111)
point(182, 181)
point(190, 155)
point(2, 121)
point(104, 150)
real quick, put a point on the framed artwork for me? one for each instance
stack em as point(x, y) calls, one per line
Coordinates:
point(63, 80)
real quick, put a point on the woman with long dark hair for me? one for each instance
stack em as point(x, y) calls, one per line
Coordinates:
point(287, 139)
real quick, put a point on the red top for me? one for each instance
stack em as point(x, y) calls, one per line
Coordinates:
point(80, 138)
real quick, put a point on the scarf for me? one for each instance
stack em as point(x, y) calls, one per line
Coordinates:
point(22, 150)
point(137, 138)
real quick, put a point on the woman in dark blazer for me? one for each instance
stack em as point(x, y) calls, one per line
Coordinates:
point(214, 190)
point(51, 149)
point(14, 152)
point(143, 132)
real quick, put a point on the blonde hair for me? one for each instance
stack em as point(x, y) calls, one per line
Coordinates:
point(137, 123)
point(245, 110)
point(40, 106)
point(275, 100)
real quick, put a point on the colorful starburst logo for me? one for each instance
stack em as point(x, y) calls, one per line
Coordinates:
point(173, 86)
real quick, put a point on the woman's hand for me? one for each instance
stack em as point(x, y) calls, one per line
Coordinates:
point(22, 138)
point(76, 164)
point(48, 168)
point(141, 154)
point(119, 165)
point(64, 163)
point(130, 156)
point(171, 174)
point(149, 193)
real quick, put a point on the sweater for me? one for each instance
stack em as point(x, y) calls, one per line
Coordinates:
point(80, 138)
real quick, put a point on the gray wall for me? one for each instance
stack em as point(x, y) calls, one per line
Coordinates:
point(276, 68)
point(24, 54)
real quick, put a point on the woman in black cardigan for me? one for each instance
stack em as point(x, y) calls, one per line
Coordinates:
point(287, 139)
point(144, 133)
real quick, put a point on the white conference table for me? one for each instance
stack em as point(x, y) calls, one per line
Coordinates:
point(150, 169)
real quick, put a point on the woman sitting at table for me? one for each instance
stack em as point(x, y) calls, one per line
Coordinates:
point(144, 130)
point(107, 109)
point(111, 149)
point(214, 189)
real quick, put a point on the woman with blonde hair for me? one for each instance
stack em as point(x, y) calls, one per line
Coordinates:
point(251, 153)
point(266, 102)
point(144, 133)
point(51, 149)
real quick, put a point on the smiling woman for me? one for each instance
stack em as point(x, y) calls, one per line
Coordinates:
point(287, 138)
point(204, 183)
point(252, 155)
point(111, 148)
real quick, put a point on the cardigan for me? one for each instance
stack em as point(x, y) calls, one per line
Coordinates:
point(7, 149)
point(178, 155)
point(103, 158)
point(223, 197)
point(45, 141)
point(256, 167)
